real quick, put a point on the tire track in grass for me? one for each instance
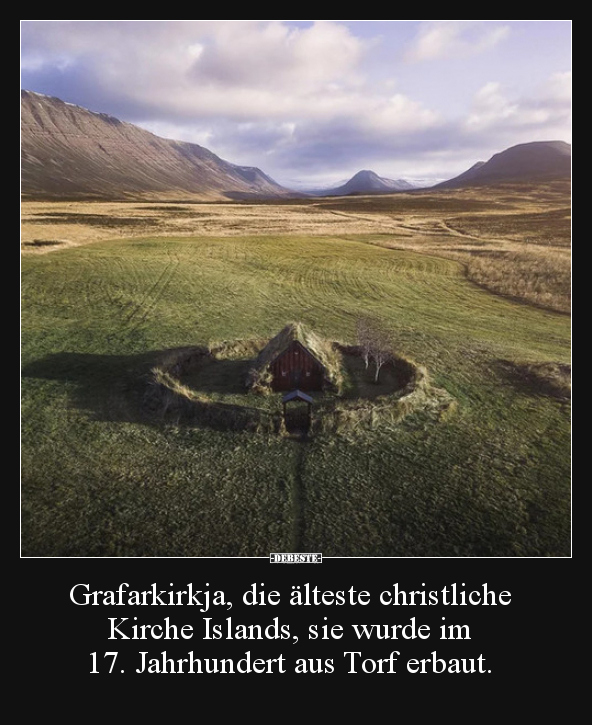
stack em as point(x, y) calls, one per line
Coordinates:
point(152, 296)
point(159, 291)
point(147, 295)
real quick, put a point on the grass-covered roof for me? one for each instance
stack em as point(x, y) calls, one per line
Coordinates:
point(323, 350)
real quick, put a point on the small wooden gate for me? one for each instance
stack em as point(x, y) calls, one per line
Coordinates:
point(297, 412)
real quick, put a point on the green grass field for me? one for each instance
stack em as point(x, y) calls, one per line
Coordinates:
point(104, 477)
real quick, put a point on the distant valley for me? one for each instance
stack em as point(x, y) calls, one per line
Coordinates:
point(69, 152)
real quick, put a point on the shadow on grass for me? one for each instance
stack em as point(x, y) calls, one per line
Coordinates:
point(108, 387)
point(120, 388)
point(549, 379)
point(214, 375)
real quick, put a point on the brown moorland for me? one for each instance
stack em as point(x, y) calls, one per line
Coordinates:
point(513, 238)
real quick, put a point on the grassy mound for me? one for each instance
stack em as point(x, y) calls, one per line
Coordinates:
point(404, 387)
point(172, 394)
point(213, 386)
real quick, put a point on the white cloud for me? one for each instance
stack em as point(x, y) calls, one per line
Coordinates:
point(455, 39)
point(501, 119)
point(397, 114)
point(275, 56)
point(187, 75)
point(491, 106)
point(194, 68)
point(557, 90)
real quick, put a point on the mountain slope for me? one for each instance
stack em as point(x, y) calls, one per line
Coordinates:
point(366, 182)
point(529, 161)
point(69, 151)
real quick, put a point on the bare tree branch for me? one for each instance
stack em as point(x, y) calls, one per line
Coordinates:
point(363, 329)
point(381, 356)
point(374, 342)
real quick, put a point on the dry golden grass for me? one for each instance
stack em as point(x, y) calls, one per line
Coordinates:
point(518, 244)
point(541, 277)
point(514, 239)
point(74, 223)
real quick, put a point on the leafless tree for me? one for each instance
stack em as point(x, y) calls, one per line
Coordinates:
point(374, 342)
point(381, 352)
point(364, 334)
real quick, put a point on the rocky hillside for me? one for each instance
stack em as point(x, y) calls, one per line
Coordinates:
point(71, 152)
point(529, 162)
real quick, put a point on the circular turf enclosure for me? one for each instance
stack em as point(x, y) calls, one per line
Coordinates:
point(224, 387)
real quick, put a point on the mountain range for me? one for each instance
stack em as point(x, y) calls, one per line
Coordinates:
point(71, 152)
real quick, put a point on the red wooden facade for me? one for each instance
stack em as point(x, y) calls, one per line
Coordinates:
point(296, 367)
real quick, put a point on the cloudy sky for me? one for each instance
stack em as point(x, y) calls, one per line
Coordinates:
point(313, 102)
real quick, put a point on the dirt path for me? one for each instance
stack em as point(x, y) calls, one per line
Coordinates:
point(298, 498)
